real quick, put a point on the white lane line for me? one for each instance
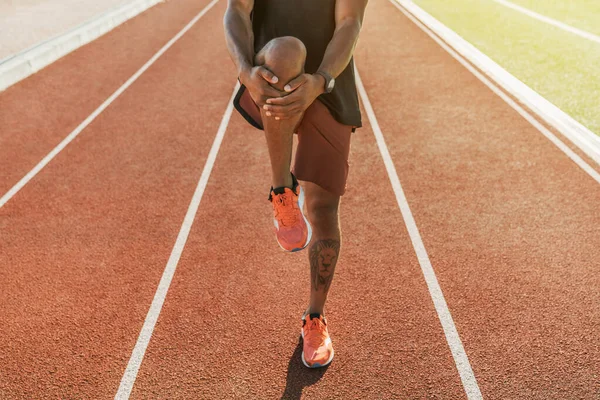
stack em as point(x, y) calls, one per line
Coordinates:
point(19, 185)
point(528, 117)
point(139, 350)
point(27, 62)
point(550, 21)
point(571, 129)
point(456, 347)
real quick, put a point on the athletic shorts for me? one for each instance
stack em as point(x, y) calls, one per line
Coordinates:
point(323, 143)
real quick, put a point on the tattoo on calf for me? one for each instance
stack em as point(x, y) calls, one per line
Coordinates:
point(323, 257)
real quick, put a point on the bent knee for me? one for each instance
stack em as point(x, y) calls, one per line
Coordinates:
point(285, 57)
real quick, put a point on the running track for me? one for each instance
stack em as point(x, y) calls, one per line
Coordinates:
point(510, 225)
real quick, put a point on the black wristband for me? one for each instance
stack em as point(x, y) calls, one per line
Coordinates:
point(329, 81)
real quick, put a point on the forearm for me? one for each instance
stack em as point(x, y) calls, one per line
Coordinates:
point(341, 47)
point(239, 38)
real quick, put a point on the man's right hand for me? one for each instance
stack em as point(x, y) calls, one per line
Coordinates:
point(258, 81)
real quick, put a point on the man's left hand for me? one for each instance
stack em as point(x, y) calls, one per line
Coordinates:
point(302, 90)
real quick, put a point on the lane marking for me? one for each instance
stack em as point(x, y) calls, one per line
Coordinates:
point(17, 67)
point(143, 340)
point(528, 117)
point(550, 21)
point(452, 338)
point(574, 131)
point(19, 185)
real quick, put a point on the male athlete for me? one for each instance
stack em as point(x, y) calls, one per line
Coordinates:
point(294, 60)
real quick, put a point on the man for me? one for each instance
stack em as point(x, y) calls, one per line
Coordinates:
point(294, 60)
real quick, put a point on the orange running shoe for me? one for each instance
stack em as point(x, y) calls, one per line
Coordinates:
point(291, 226)
point(317, 350)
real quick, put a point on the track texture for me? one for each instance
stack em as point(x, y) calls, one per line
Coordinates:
point(37, 113)
point(230, 325)
point(509, 222)
point(84, 244)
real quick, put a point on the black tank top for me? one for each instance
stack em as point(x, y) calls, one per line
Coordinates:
point(313, 22)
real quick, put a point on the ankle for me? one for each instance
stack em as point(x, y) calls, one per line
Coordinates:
point(314, 310)
point(285, 181)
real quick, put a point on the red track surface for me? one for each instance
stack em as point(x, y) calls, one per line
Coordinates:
point(509, 222)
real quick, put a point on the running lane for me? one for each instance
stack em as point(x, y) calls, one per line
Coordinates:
point(84, 244)
point(39, 112)
point(231, 321)
point(510, 223)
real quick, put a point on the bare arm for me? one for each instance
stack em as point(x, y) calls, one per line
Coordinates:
point(348, 21)
point(238, 33)
point(240, 43)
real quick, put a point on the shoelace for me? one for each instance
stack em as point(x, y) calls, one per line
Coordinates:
point(316, 333)
point(286, 213)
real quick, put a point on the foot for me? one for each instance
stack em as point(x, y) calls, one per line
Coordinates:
point(317, 350)
point(291, 226)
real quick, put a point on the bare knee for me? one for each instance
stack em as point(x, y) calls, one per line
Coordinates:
point(285, 57)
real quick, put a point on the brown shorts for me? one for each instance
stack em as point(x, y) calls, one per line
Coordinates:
point(323, 143)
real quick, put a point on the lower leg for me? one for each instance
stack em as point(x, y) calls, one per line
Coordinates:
point(324, 249)
point(279, 135)
point(284, 57)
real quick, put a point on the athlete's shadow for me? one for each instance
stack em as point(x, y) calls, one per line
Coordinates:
point(298, 376)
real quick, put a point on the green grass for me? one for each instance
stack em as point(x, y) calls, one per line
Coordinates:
point(581, 14)
point(562, 67)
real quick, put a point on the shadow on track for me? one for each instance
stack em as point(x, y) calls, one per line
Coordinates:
point(298, 376)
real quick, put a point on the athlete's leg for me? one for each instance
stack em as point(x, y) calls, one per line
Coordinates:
point(323, 251)
point(285, 57)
